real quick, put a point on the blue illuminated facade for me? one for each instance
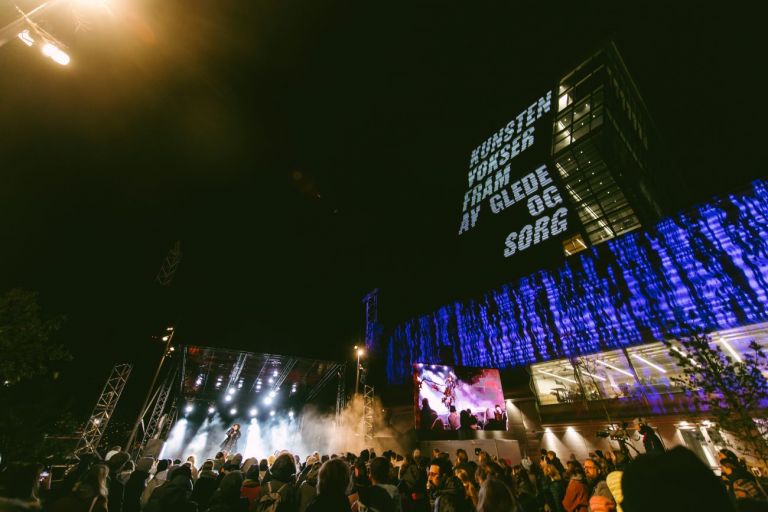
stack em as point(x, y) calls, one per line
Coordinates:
point(696, 272)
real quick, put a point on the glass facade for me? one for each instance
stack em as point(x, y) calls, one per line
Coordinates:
point(636, 373)
point(600, 147)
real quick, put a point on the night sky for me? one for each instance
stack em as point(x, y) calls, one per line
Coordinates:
point(305, 153)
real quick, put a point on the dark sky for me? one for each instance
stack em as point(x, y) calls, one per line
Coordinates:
point(306, 152)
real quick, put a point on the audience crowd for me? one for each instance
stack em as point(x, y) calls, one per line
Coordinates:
point(674, 480)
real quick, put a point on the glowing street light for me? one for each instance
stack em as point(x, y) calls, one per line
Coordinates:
point(360, 353)
point(59, 56)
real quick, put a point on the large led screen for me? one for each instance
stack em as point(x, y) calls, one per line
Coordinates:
point(474, 393)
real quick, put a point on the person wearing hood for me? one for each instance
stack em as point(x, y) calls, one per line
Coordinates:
point(373, 497)
point(308, 487)
point(332, 481)
point(447, 491)
point(89, 494)
point(205, 486)
point(283, 473)
point(227, 497)
point(174, 494)
point(18, 487)
point(136, 484)
point(116, 487)
point(159, 479)
point(251, 489)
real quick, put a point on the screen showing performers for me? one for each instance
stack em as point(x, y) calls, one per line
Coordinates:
point(449, 398)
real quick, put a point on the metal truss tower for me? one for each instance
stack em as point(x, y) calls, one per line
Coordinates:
point(368, 412)
point(170, 265)
point(158, 419)
point(105, 406)
point(371, 304)
point(341, 393)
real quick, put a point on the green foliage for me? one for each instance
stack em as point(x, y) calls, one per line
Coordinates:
point(32, 402)
point(25, 338)
point(734, 393)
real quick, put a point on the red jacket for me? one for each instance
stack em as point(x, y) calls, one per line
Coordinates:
point(576, 496)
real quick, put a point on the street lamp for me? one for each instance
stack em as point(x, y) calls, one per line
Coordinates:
point(360, 352)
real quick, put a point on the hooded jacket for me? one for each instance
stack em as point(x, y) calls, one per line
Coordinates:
point(134, 487)
point(173, 496)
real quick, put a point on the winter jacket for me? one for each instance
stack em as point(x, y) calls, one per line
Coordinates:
point(449, 496)
point(172, 496)
point(375, 499)
point(206, 484)
point(135, 486)
point(394, 493)
point(329, 503)
point(251, 491)
point(288, 491)
point(576, 496)
point(554, 492)
point(14, 505)
point(76, 503)
point(157, 481)
point(116, 493)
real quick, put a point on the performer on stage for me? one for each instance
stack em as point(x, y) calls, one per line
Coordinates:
point(230, 443)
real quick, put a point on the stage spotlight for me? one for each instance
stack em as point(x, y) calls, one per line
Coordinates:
point(271, 413)
point(233, 411)
point(268, 400)
point(211, 410)
point(228, 398)
point(231, 391)
point(290, 414)
point(271, 380)
point(274, 374)
point(189, 408)
point(253, 412)
point(272, 394)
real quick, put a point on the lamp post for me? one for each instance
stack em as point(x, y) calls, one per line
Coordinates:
point(360, 352)
point(167, 338)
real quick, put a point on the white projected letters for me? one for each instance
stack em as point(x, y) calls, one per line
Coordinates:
point(493, 181)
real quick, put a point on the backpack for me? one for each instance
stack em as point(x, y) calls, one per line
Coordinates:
point(270, 501)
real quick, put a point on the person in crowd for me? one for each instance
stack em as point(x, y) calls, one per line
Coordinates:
point(672, 481)
point(495, 496)
point(283, 472)
point(115, 485)
point(73, 476)
point(126, 471)
point(251, 489)
point(191, 462)
point(472, 420)
point(742, 486)
point(332, 481)
point(464, 421)
point(263, 470)
point(463, 462)
point(446, 490)
point(553, 488)
point(470, 492)
point(227, 497)
point(436, 423)
point(360, 478)
point(219, 460)
point(161, 474)
point(576, 493)
point(372, 498)
point(413, 476)
point(112, 451)
point(248, 463)
point(555, 461)
point(205, 486)
point(380, 471)
point(89, 494)
point(308, 485)
point(19, 486)
point(599, 494)
point(136, 484)
point(453, 419)
point(524, 489)
point(174, 494)
point(651, 441)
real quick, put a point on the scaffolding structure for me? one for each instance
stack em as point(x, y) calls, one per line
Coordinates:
point(105, 406)
point(158, 418)
point(341, 393)
point(368, 412)
point(371, 305)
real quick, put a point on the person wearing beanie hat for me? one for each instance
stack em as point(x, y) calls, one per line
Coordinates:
point(136, 484)
point(283, 480)
point(159, 479)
